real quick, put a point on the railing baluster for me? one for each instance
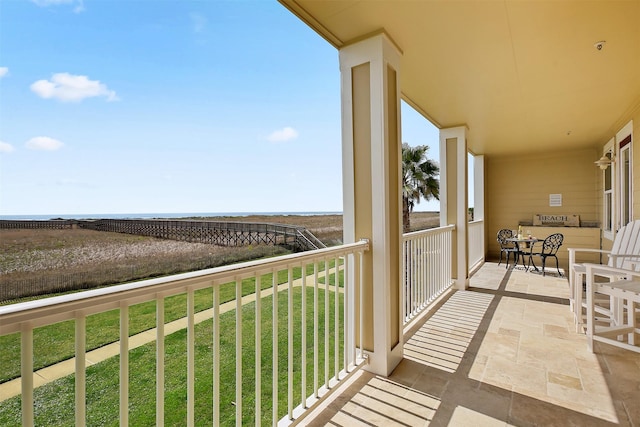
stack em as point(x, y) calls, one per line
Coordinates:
point(274, 273)
point(326, 321)
point(415, 271)
point(316, 308)
point(361, 303)
point(346, 312)
point(124, 364)
point(258, 359)
point(412, 291)
point(159, 361)
point(418, 259)
point(336, 320)
point(432, 263)
point(26, 371)
point(81, 374)
point(238, 282)
point(290, 342)
point(216, 354)
point(425, 268)
point(439, 268)
point(404, 288)
point(303, 367)
point(191, 359)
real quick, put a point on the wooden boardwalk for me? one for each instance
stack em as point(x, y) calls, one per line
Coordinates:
point(222, 233)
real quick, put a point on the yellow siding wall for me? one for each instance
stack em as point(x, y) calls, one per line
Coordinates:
point(574, 237)
point(519, 186)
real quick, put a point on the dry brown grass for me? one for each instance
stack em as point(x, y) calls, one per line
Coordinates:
point(328, 228)
point(42, 261)
point(36, 262)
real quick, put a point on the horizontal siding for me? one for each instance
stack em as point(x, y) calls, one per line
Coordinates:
point(574, 237)
point(518, 187)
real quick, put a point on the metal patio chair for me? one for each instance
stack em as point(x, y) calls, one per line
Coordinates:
point(549, 248)
point(507, 248)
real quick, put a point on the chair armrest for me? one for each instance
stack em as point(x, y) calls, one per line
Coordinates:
point(632, 256)
point(605, 270)
point(572, 256)
point(591, 250)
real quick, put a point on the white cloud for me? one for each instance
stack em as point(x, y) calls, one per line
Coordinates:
point(43, 143)
point(5, 147)
point(79, 4)
point(198, 22)
point(4, 71)
point(79, 7)
point(283, 135)
point(74, 88)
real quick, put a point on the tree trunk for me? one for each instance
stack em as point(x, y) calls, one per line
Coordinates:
point(405, 215)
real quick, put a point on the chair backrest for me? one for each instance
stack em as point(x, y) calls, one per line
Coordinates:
point(621, 236)
point(503, 235)
point(629, 244)
point(552, 243)
point(636, 251)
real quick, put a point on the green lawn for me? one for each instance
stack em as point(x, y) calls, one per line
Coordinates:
point(55, 343)
point(55, 401)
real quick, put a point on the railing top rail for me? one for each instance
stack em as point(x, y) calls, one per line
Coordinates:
point(192, 221)
point(55, 309)
point(429, 231)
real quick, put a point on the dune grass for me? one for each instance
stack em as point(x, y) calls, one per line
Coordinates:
point(43, 262)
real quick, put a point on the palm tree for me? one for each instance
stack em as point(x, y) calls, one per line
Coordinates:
point(418, 179)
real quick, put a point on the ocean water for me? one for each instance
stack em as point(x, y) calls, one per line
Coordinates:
point(155, 215)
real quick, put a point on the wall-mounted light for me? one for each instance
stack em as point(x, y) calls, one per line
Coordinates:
point(603, 162)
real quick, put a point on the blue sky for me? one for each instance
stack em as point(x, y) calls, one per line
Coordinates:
point(170, 106)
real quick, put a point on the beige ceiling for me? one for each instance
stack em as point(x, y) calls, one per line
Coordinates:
point(524, 76)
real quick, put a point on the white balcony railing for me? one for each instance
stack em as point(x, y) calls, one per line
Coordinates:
point(306, 336)
point(300, 308)
point(427, 268)
point(476, 243)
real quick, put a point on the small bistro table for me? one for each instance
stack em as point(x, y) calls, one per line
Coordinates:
point(527, 242)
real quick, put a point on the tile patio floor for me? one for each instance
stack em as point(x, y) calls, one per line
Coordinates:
point(503, 353)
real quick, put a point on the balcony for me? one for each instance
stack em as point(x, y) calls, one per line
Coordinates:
point(502, 351)
point(291, 327)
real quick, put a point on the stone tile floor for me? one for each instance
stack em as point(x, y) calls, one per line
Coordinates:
point(502, 353)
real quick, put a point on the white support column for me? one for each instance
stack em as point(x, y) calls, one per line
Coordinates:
point(371, 155)
point(453, 197)
point(478, 199)
point(478, 187)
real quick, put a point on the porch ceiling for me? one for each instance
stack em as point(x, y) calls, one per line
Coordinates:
point(524, 76)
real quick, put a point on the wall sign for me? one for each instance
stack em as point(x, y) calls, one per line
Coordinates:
point(557, 220)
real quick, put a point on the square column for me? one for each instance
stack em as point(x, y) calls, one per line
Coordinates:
point(371, 175)
point(478, 187)
point(453, 198)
